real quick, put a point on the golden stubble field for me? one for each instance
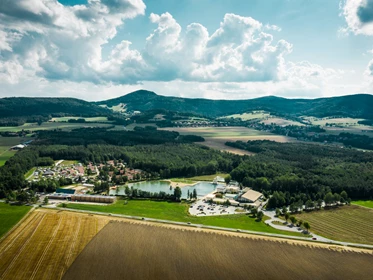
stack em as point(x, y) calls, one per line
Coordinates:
point(45, 244)
point(144, 251)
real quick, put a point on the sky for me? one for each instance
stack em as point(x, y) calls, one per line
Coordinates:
point(218, 49)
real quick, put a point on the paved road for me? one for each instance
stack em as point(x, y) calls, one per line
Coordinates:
point(217, 228)
point(273, 218)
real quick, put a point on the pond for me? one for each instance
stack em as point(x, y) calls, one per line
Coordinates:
point(202, 188)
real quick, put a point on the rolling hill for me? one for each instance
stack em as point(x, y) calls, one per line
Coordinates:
point(357, 106)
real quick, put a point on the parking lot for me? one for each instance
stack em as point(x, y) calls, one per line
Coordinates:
point(202, 208)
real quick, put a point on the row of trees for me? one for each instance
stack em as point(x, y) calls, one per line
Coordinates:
point(278, 199)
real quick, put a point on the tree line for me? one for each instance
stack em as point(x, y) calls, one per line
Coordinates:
point(304, 171)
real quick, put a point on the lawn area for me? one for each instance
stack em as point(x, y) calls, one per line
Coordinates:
point(5, 155)
point(178, 212)
point(68, 162)
point(208, 178)
point(365, 203)
point(10, 215)
point(347, 223)
point(30, 172)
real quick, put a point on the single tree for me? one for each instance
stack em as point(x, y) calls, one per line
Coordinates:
point(227, 179)
point(254, 212)
point(287, 216)
point(188, 194)
point(307, 226)
point(300, 223)
point(344, 195)
point(46, 200)
point(259, 216)
point(284, 210)
point(319, 203)
point(293, 220)
point(194, 193)
point(278, 212)
point(177, 193)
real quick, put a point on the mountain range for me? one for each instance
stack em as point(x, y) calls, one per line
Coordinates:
point(356, 106)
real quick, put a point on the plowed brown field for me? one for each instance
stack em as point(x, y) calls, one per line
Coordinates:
point(144, 251)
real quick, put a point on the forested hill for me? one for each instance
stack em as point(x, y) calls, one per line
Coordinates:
point(27, 106)
point(359, 105)
point(17, 110)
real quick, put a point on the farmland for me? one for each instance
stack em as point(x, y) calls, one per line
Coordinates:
point(249, 116)
point(51, 126)
point(6, 143)
point(45, 244)
point(178, 212)
point(365, 203)
point(281, 122)
point(349, 223)
point(10, 215)
point(215, 137)
point(143, 251)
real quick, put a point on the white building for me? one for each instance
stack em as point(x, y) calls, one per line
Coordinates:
point(250, 196)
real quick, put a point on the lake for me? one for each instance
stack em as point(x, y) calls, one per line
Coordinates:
point(202, 188)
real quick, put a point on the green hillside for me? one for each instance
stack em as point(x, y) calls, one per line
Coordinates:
point(357, 106)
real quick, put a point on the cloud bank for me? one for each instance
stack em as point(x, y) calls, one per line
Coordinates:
point(46, 43)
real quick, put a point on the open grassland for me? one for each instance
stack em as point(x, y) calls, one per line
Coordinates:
point(348, 223)
point(178, 212)
point(281, 122)
point(249, 116)
point(51, 125)
point(337, 121)
point(216, 137)
point(4, 156)
point(92, 119)
point(10, 215)
point(142, 251)
point(365, 203)
point(6, 143)
point(45, 244)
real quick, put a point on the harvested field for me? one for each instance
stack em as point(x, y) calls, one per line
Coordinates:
point(46, 243)
point(143, 251)
point(281, 122)
point(215, 137)
point(348, 223)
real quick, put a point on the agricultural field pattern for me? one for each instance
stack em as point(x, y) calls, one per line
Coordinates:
point(135, 251)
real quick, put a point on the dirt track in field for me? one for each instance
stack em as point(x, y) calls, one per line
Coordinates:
point(143, 251)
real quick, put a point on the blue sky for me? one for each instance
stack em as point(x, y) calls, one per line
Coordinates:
point(193, 48)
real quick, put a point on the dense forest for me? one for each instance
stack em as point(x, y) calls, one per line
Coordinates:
point(88, 136)
point(307, 170)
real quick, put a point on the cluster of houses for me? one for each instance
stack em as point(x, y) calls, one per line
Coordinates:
point(78, 173)
point(74, 172)
point(233, 193)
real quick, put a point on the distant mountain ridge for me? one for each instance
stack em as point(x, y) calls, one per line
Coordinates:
point(357, 105)
point(21, 109)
